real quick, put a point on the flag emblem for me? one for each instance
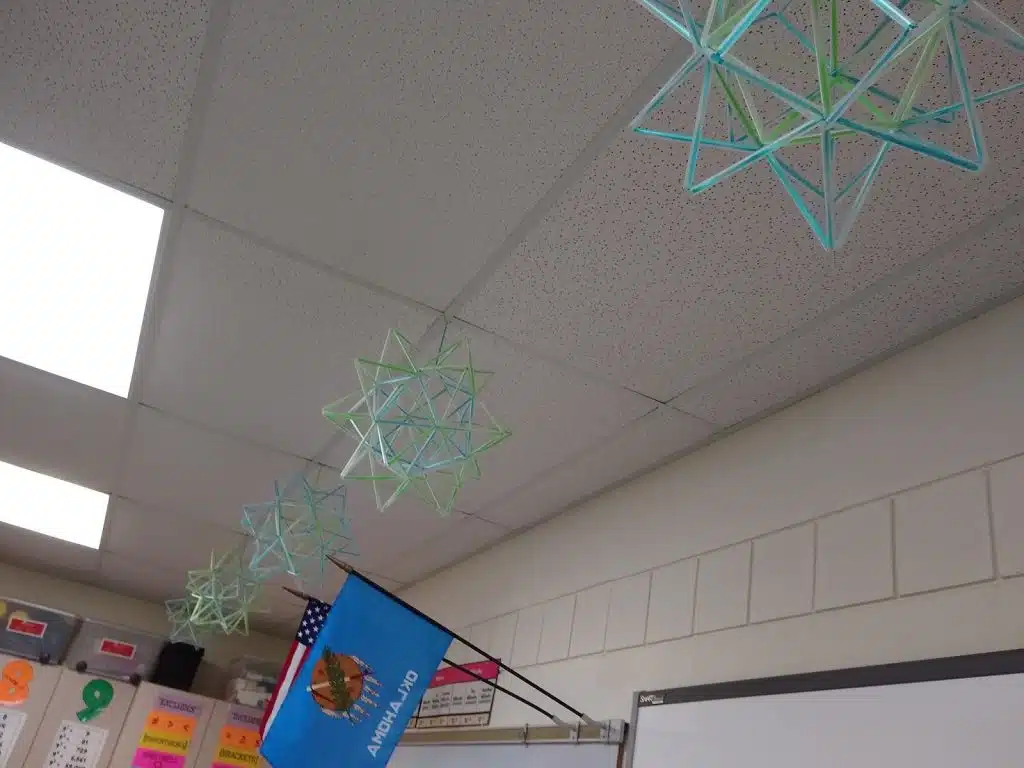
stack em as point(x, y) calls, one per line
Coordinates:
point(343, 686)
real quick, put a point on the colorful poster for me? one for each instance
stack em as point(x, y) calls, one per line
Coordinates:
point(239, 744)
point(167, 734)
point(456, 698)
point(76, 746)
point(11, 723)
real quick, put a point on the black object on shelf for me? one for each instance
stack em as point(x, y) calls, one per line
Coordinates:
point(177, 665)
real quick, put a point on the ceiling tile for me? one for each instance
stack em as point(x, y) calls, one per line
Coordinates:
point(139, 578)
point(467, 536)
point(165, 539)
point(257, 344)
point(641, 444)
point(105, 85)
point(45, 553)
point(380, 536)
point(631, 277)
point(175, 465)
point(402, 143)
point(60, 427)
point(553, 413)
point(335, 578)
point(961, 281)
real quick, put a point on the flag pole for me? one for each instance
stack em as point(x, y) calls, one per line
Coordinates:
point(369, 582)
point(493, 684)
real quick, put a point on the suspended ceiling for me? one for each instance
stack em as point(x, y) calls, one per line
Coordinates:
point(331, 170)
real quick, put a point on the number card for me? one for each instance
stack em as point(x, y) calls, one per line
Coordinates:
point(11, 723)
point(76, 746)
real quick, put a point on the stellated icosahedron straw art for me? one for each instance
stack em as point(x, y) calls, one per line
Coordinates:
point(820, 91)
point(224, 594)
point(179, 616)
point(419, 427)
point(299, 530)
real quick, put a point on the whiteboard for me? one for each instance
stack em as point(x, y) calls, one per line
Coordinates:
point(848, 719)
point(506, 756)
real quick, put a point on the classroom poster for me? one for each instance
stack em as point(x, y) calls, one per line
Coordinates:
point(457, 699)
point(238, 744)
point(168, 733)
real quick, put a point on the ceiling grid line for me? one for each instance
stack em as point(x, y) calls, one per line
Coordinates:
point(944, 248)
point(612, 127)
point(573, 173)
point(307, 261)
point(216, 28)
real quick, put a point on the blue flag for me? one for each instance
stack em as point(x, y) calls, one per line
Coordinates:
point(361, 682)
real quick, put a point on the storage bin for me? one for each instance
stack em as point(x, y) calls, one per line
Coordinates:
point(111, 651)
point(35, 631)
point(252, 681)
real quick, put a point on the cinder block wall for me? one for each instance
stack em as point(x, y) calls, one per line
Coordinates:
point(881, 520)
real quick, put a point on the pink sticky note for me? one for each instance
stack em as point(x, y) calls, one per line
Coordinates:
point(150, 758)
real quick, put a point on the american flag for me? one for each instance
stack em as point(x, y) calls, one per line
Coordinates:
point(309, 628)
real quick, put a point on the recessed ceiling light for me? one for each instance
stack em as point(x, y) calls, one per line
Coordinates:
point(75, 269)
point(52, 507)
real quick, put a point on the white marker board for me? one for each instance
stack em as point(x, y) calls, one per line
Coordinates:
point(960, 712)
point(588, 746)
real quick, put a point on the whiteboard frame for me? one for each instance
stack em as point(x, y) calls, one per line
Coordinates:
point(925, 671)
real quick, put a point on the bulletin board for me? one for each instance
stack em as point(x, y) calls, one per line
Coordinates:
point(82, 722)
point(164, 729)
point(232, 738)
point(25, 691)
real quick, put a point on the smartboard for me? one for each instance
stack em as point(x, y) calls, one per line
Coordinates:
point(959, 712)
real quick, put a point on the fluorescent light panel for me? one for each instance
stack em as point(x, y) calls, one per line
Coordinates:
point(75, 267)
point(52, 507)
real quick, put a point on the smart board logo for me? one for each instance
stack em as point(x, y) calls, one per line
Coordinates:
point(649, 699)
point(343, 686)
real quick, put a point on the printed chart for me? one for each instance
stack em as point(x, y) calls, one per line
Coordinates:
point(11, 723)
point(168, 733)
point(238, 745)
point(76, 746)
point(457, 699)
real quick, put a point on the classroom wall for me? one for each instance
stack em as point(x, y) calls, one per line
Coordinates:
point(881, 520)
point(100, 604)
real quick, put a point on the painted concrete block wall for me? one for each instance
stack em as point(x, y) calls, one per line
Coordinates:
point(881, 520)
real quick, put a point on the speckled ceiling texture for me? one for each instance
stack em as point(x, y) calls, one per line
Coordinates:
point(333, 169)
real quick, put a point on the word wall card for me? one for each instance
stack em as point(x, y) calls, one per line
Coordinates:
point(232, 738)
point(164, 729)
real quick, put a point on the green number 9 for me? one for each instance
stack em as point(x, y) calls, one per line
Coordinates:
point(97, 695)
